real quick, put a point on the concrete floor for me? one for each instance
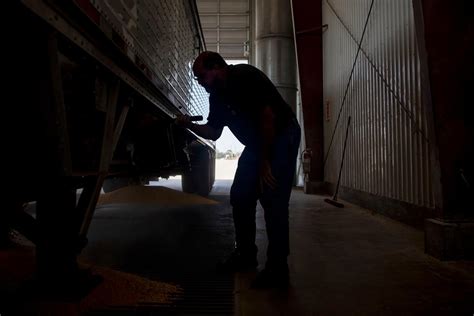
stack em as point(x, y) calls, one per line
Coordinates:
point(346, 261)
point(343, 261)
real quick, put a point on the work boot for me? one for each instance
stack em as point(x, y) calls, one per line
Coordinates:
point(272, 277)
point(238, 262)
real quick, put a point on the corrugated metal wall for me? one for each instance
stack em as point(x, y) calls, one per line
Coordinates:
point(387, 149)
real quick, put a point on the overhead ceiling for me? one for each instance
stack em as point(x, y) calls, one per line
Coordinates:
point(226, 26)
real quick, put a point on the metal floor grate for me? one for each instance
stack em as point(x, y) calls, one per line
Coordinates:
point(207, 296)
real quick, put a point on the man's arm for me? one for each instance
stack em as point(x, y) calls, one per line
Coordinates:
point(267, 134)
point(205, 131)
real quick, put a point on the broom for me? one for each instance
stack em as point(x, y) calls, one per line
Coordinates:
point(334, 201)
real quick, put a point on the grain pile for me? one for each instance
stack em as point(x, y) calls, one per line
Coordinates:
point(124, 289)
point(153, 195)
point(17, 267)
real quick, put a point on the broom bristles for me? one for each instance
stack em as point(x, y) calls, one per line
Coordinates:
point(333, 202)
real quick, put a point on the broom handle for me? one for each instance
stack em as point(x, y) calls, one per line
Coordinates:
point(342, 160)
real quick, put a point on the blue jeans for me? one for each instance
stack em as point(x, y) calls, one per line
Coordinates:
point(245, 192)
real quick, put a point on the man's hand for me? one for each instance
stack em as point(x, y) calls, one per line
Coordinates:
point(266, 176)
point(183, 121)
point(206, 131)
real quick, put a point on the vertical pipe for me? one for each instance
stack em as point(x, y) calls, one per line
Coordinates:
point(218, 40)
point(274, 46)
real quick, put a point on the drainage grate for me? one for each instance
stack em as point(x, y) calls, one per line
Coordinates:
point(208, 296)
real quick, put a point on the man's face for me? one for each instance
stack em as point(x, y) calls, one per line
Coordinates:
point(206, 78)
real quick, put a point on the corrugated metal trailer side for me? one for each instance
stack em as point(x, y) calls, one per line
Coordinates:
point(160, 44)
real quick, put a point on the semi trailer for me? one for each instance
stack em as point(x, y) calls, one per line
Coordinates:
point(92, 90)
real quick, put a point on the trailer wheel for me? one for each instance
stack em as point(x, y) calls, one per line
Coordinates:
point(187, 183)
point(199, 180)
point(202, 176)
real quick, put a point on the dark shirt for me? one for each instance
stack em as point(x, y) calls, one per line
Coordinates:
point(240, 103)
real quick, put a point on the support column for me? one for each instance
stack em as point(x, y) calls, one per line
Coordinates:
point(447, 59)
point(307, 19)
